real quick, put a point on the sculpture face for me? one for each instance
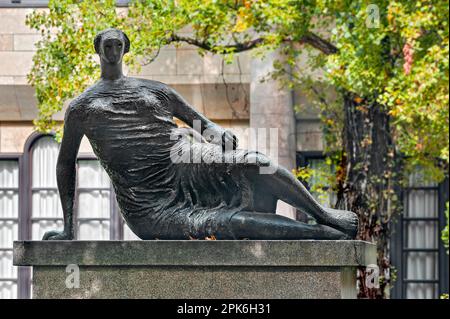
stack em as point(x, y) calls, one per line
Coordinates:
point(112, 49)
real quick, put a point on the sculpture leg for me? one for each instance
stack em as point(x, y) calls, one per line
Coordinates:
point(286, 187)
point(253, 225)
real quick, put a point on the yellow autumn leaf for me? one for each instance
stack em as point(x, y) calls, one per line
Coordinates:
point(358, 99)
point(241, 21)
point(240, 26)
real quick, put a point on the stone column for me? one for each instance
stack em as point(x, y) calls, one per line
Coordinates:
point(272, 107)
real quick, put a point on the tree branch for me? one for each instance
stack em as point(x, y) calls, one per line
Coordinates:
point(310, 38)
point(238, 47)
point(319, 43)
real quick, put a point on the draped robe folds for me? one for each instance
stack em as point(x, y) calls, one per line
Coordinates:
point(132, 132)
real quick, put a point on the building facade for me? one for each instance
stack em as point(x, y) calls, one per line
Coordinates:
point(232, 96)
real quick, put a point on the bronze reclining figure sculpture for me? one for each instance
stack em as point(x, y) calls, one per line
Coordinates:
point(129, 123)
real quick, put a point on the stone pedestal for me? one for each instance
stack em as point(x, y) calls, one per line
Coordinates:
point(194, 269)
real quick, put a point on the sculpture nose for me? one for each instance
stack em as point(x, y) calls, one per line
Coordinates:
point(116, 52)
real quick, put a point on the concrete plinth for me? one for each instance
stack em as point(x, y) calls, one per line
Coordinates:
point(194, 269)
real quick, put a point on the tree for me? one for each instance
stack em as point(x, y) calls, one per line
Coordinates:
point(387, 60)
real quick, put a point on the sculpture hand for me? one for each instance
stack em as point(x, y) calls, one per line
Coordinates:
point(228, 139)
point(57, 235)
point(222, 137)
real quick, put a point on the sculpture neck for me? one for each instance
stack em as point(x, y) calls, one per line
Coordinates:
point(111, 72)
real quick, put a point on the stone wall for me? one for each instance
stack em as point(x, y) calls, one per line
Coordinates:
point(218, 90)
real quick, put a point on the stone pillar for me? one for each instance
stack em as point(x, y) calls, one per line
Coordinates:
point(205, 269)
point(272, 107)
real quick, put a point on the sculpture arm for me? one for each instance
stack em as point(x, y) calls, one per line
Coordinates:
point(214, 132)
point(66, 173)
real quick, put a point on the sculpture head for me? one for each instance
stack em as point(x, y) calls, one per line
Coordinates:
point(111, 45)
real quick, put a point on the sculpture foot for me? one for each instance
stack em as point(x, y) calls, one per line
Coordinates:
point(343, 220)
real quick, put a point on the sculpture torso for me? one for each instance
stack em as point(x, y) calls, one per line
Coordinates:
point(129, 124)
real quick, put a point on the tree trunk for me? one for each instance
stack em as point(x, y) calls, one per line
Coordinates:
point(368, 180)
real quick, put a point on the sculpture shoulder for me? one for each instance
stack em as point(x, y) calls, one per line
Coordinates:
point(153, 86)
point(80, 103)
point(77, 108)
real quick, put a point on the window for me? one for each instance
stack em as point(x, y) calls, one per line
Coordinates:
point(316, 161)
point(94, 201)
point(420, 240)
point(93, 204)
point(9, 221)
point(46, 211)
point(327, 199)
point(416, 248)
